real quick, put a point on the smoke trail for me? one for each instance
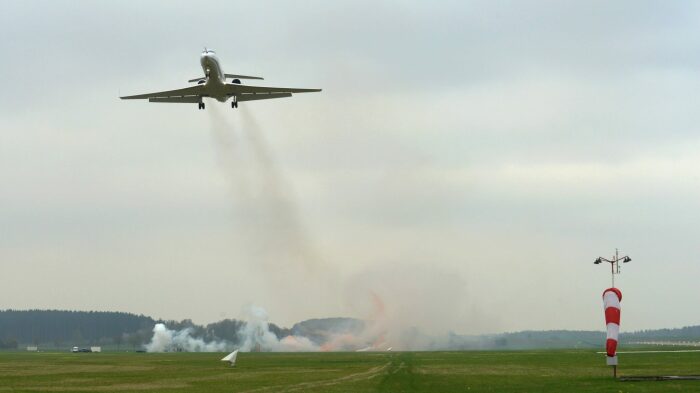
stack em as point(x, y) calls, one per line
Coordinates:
point(276, 239)
point(268, 217)
point(228, 153)
point(272, 218)
point(282, 210)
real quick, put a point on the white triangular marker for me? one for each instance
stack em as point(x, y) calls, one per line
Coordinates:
point(231, 358)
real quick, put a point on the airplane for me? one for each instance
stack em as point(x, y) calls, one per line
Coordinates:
point(214, 85)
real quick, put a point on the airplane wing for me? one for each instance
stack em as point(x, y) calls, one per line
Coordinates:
point(193, 94)
point(261, 96)
point(250, 93)
point(186, 99)
point(188, 94)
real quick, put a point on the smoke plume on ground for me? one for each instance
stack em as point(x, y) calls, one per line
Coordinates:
point(254, 335)
point(258, 337)
point(166, 340)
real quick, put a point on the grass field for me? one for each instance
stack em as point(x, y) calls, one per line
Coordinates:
point(519, 371)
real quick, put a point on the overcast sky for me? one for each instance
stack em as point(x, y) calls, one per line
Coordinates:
point(466, 161)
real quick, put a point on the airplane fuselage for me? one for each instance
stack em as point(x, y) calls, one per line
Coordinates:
point(215, 79)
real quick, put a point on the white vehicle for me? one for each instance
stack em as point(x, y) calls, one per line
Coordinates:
point(75, 349)
point(214, 85)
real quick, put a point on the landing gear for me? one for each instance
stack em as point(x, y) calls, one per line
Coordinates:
point(234, 103)
point(201, 105)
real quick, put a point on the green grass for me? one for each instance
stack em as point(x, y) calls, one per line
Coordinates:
point(518, 371)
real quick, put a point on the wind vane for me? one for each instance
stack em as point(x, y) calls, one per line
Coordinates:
point(614, 264)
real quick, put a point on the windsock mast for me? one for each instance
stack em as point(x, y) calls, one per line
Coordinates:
point(611, 303)
point(614, 264)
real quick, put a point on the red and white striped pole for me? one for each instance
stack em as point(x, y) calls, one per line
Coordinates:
point(611, 303)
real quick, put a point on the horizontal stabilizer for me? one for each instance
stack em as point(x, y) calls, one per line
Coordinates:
point(233, 76)
point(186, 99)
point(260, 96)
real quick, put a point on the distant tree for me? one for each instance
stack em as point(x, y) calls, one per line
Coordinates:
point(58, 327)
point(118, 340)
point(77, 337)
point(9, 343)
point(227, 329)
point(134, 339)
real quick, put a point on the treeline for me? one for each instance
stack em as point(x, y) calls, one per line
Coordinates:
point(687, 333)
point(118, 330)
point(224, 330)
point(563, 339)
point(545, 339)
point(60, 329)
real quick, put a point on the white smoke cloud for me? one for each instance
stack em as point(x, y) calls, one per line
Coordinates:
point(166, 340)
point(258, 337)
point(379, 332)
point(255, 333)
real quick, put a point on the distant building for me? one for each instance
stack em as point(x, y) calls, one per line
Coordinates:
point(33, 348)
point(96, 349)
